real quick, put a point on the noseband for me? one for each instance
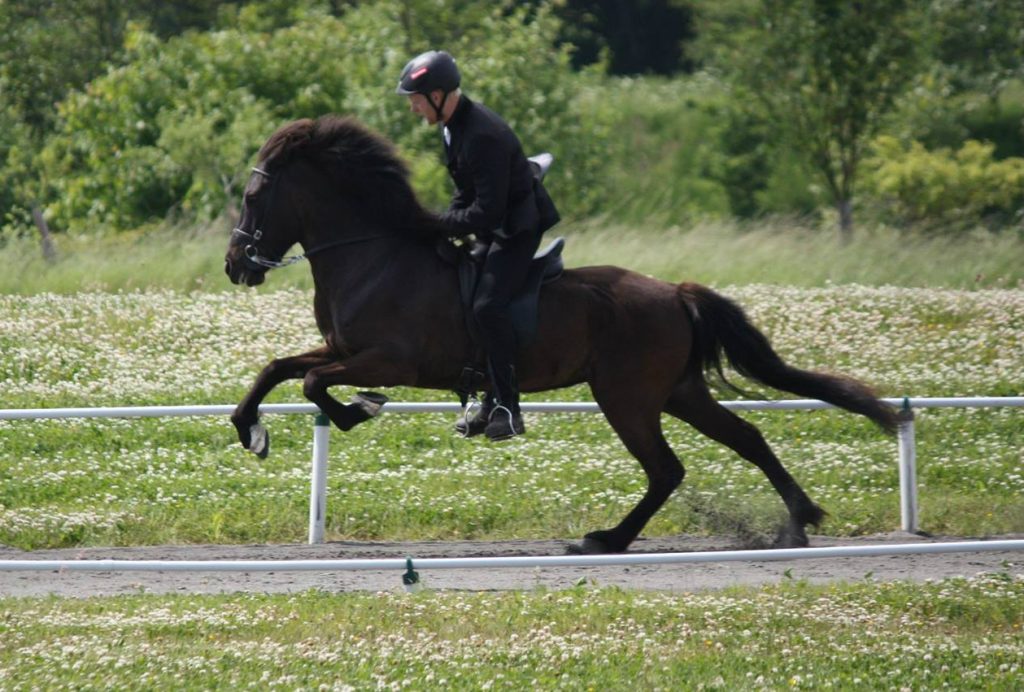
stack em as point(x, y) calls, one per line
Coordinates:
point(257, 261)
point(251, 252)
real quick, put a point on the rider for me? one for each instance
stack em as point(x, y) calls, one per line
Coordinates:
point(497, 200)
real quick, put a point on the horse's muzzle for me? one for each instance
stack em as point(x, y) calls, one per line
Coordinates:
point(241, 273)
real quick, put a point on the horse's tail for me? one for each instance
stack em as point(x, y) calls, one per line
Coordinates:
point(721, 325)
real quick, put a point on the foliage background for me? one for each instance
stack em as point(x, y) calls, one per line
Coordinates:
point(121, 116)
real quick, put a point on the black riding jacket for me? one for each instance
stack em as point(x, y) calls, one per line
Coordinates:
point(496, 191)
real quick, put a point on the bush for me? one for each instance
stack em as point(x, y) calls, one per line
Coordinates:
point(660, 147)
point(178, 125)
point(682, 148)
point(15, 155)
point(955, 189)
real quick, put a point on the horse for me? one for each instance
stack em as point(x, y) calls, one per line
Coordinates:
point(388, 307)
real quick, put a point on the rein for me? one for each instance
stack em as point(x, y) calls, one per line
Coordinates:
point(252, 253)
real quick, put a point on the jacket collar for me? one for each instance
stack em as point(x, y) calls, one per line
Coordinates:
point(458, 119)
point(455, 125)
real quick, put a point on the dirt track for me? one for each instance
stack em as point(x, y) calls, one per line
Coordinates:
point(678, 577)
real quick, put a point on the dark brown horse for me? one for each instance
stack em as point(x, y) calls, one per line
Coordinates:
point(389, 311)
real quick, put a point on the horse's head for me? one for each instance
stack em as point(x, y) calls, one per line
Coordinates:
point(258, 241)
point(266, 228)
point(322, 183)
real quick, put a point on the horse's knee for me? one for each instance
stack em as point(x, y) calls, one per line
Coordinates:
point(277, 368)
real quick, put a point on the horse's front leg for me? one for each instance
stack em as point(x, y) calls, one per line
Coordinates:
point(251, 434)
point(375, 367)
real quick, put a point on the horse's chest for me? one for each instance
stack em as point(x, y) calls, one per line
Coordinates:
point(348, 338)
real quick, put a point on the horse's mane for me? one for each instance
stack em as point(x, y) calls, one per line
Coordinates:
point(361, 162)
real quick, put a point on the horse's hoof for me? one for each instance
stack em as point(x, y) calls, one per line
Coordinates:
point(370, 402)
point(591, 545)
point(791, 536)
point(259, 441)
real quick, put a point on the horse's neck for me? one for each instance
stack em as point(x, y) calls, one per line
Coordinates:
point(353, 273)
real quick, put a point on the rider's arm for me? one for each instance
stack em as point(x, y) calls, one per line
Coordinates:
point(460, 200)
point(487, 157)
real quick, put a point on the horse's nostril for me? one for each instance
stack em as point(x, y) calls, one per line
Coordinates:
point(227, 266)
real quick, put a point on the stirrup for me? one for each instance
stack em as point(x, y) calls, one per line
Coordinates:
point(496, 430)
point(472, 404)
point(499, 407)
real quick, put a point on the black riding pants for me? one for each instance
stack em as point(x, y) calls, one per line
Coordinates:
point(504, 272)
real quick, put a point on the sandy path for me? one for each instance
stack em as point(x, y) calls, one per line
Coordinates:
point(679, 577)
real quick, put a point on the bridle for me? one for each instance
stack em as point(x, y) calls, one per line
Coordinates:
point(257, 261)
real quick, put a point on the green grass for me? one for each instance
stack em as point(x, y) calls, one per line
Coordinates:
point(960, 633)
point(143, 482)
point(788, 253)
point(407, 477)
point(717, 253)
point(173, 257)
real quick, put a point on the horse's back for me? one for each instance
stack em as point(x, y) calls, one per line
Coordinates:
point(605, 316)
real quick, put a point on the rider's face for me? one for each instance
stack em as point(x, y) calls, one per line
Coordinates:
point(421, 106)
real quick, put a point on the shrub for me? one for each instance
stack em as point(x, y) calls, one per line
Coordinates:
point(15, 155)
point(177, 126)
point(660, 147)
point(955, 189)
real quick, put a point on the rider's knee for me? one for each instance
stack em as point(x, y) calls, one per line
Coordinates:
point(487, 310)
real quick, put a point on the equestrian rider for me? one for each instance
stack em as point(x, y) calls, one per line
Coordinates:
point(499, 202)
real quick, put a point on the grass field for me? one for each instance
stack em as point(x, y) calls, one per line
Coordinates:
point(963, 634)
point(404, 477)
point(717, 253)
point(136, 322)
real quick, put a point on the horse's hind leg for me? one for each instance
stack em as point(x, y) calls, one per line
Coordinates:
point(692, 402)
point(637, 423)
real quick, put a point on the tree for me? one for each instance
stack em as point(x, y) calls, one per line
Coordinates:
point(50, 48)
point(980, 43)
point(174, 128)
point(641, 36)
point(826, 72)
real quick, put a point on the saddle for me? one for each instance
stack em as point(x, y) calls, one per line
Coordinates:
point(546, 266)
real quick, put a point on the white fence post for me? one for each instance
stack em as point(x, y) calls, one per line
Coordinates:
point(908, 468)
point(318, 479)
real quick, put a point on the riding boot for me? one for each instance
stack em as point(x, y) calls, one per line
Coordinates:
point(505, 419)
point(473, 423)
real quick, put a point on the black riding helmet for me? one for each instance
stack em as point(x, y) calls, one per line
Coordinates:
point(429, 72)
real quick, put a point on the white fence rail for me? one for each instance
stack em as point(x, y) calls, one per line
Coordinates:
point(325, 565)
point(318, 476)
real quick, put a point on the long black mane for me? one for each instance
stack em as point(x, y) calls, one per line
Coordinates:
point(363, 165)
